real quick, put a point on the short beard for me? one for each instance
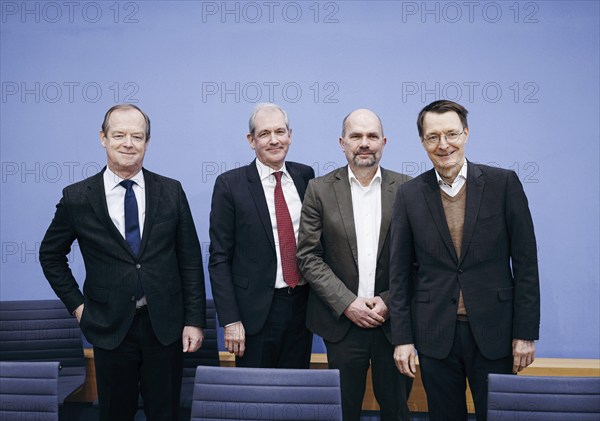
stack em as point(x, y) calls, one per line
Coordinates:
point(363, 163)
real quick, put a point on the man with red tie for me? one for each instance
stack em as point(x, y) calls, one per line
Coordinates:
point(258, 291)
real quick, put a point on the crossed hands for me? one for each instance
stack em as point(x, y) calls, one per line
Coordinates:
point(367, 312)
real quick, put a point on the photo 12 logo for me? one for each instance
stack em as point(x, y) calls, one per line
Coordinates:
point(48, 172)
point(71, 92)
point(53, 12)
point(269, 12)
point(470, 91)
point(23, 252)
point(470, 12)
point(254, 92)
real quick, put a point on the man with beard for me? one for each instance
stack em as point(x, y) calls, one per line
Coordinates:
point(343, 252)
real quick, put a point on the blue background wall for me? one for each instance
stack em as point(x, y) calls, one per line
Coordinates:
point(527, 71)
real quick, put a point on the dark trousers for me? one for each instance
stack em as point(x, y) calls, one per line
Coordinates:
point(139, 364)
point(445, 379)
point(352, 356)
point(284, 341)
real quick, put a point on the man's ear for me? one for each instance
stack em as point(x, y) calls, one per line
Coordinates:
point(250, 140)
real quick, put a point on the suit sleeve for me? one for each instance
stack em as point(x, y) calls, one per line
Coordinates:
point(222, 244)
point(54, 249)
point(189, 258)
point(402, 256)
point(523, 248)
point(323, 281)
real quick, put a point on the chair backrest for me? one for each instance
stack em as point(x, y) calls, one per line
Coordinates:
point(29, 390)
point(266, 394)
point(43, 330)
point(207, 355)
point(532, 398)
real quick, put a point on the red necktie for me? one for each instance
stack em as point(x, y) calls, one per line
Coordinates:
point(287, 239)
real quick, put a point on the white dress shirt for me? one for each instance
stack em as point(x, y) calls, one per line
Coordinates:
point(366, 205)
point(453, 189)
point(294, 204)
point(115, 200)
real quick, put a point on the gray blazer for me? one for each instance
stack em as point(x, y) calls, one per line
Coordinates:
point(327, 250)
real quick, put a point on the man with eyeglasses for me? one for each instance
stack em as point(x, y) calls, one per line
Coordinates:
point(474, 307)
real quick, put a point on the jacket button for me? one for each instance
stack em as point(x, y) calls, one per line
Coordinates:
point(138, 266)
point(133, 298)
point(460, 271)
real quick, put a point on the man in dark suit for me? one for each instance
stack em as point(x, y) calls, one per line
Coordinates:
point(143, 299)
point(258, 291)
point(343, 252)
point(475, 307)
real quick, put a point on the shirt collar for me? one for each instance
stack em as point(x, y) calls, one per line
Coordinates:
point(377, 177)
point(112, 180)
point(264, 171)
point(461, 174)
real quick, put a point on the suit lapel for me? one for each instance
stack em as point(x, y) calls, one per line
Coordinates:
point(298, 180)
point(431, 191)
point(343, 194)
point(260, 201)
point(475, 185)
point(97, 198)
point(153, 189)
point(387, 202)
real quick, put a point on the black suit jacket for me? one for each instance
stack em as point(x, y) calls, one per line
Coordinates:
point(169, 263)
point(328, 254)
point(243, 260)
point(497, 271)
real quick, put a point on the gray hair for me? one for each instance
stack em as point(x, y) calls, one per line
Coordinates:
point(266, 106)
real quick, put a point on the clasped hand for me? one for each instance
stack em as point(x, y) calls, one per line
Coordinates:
point(367, 312)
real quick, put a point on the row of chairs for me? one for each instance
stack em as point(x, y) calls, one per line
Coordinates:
point(29, 391)
point(42, 363)
point(44, 331)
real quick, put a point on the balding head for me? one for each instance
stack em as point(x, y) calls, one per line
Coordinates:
point(362, 139)
point(361, 113)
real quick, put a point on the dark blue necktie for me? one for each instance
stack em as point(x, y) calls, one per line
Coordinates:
point(132, 226)
point(132, 222)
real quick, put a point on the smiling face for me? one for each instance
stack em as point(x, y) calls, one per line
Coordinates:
point(447, 158)
point(362, 140)
point(125, 142)
point(271, 138)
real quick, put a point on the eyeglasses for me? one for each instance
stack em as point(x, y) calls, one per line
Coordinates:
point(451, 137)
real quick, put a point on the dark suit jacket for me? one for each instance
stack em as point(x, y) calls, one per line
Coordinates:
point(327, 250)
point(169, 263)
point(243, 260)
point(497, 270)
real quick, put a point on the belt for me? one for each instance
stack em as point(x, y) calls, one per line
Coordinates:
point(290, 291)
point(141, 310)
